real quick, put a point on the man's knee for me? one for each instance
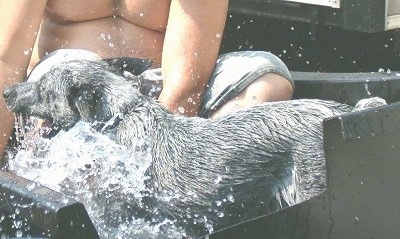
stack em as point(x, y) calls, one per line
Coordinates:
point(246, 78)
point(267, 88)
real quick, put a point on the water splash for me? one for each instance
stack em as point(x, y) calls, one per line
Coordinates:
point(88, 166)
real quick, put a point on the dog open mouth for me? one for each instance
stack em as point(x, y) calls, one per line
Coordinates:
point(28, 126)
point(47, 130)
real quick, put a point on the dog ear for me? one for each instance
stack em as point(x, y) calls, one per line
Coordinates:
point(132, 65)
point(89, 102)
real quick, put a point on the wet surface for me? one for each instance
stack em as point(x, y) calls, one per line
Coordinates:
point(90, 168)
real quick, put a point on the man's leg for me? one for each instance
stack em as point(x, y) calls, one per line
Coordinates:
point(243, 79)
point(267, 88)
point(240, 79)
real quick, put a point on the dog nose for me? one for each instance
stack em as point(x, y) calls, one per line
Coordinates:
point(7, 93)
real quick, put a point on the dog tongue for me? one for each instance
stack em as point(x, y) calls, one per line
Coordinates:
point(46, 124)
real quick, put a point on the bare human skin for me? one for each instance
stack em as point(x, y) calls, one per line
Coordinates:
point(181, 36)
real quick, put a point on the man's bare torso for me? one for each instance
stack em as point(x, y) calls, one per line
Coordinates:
point(110, 28)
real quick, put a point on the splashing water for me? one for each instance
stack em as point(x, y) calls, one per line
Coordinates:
point(88, 166)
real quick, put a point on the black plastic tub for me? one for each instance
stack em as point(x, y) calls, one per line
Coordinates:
point(362, 151)
point(363, 163)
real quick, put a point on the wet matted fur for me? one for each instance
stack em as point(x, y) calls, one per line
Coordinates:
point(222, 171)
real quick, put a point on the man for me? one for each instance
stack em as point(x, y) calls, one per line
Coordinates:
point(180, 36)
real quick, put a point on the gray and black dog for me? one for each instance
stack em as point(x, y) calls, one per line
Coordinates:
point(220, 171)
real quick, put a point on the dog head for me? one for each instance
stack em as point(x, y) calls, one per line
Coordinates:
point(74, 90)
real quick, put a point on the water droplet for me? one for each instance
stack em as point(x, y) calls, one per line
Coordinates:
point(209, 227)
point(230, 198)
point(381, 70)
point(141, 14)
point(181, 109)
point(356, 220)
point(65, 200)
point(218, 179)
point(31, 186)
point(111, 44)
point(19, 233)
point(367, 89)
point(218, 35)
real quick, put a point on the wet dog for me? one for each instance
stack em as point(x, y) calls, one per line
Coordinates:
point(204, 172)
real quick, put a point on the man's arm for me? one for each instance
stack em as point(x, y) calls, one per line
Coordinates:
point(191, 47)
point(19, 24)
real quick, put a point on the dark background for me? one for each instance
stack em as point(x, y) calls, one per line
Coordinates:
point(313, 48)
